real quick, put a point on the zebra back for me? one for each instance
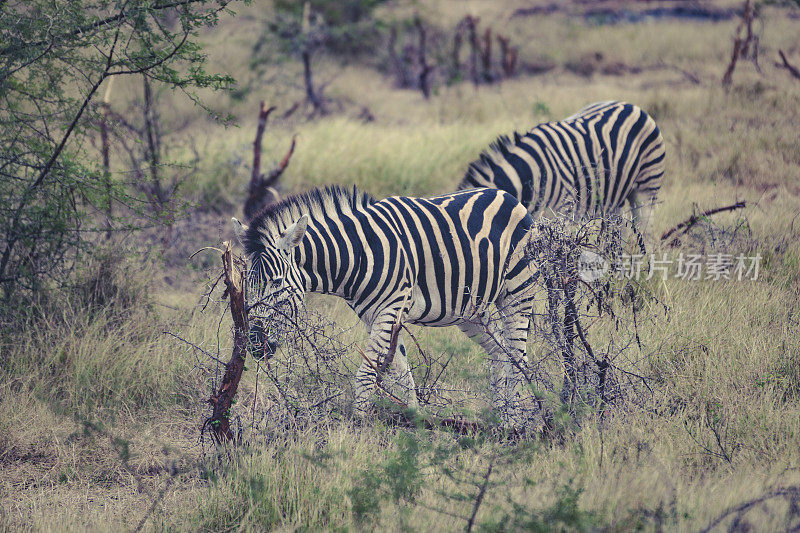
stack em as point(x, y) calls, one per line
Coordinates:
point(591, 161)
point(459, 252)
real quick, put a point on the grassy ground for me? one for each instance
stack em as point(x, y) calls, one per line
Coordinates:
point(100, 411)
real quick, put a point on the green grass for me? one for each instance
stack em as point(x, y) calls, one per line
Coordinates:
point(97, 404)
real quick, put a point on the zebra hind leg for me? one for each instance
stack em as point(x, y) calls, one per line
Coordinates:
point(399, 375)
point(506, 362)
point(642, 214)
point(516, 368)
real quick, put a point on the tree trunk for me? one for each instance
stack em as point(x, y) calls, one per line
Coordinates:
point(425, 68)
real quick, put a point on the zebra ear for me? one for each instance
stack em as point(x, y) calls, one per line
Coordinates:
point(239, 230)
point(293, 234)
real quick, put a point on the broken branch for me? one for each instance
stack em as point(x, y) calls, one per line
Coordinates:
point(788, 66)
point(263, 116)
point(686, 225)
point(222, 399)
point(259, 192)
point(277, 171)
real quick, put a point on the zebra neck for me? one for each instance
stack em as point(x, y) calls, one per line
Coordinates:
point(329, 258)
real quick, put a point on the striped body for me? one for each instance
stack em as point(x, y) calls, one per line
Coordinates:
point(449, 260)
point(590, 162)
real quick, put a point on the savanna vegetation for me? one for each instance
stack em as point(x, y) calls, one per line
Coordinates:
point(109, 319)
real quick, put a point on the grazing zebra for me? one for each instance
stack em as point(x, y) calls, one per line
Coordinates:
point(592, 161)
point(456, 259)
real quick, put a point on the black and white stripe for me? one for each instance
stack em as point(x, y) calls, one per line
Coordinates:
point(449, 260)
point(590, 162)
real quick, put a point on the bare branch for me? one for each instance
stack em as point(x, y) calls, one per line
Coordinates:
point(277, 171)
point(692, 220)
point(259, 191)
point(788, 66)
point(479, 497)
point(263, 116)
point(222, 399)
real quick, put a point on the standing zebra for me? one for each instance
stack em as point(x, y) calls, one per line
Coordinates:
point(592, 161)
point(435, 261)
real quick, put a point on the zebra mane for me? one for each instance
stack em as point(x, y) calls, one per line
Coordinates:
point(480, 170)
point(272, 220)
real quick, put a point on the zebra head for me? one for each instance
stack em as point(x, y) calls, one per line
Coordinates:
point(274, 288)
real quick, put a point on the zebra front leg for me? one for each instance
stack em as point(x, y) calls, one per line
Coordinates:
point(400, 380)
point(366, 380)
point(371, 369)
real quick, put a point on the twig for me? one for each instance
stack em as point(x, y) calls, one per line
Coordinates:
point(277, 171)
point(692, 220)
point(693, 78)
point(788, 66)
point(326, 400)
point(289, 112)
point(479, 497)
point(372, 365)
point(428, 361)
point(787, 492)
point(204, 248)
point(193, 345)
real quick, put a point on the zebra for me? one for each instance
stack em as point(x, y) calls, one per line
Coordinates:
point(588, 163)
point(456, 259)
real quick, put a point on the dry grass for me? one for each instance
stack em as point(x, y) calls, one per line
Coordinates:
point(74, 388)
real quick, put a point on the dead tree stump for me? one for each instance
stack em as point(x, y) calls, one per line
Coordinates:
point(261, 190)
point(222, 399)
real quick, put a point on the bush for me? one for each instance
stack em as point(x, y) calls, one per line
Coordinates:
point(53, 61)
